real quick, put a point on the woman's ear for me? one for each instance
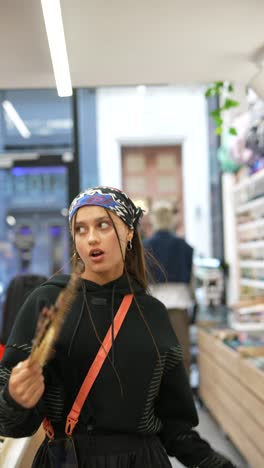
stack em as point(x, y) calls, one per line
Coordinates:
point(130, 235)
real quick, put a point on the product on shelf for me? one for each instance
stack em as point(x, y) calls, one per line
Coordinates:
point(247, 344)
point(248, 315)
point(249, 213)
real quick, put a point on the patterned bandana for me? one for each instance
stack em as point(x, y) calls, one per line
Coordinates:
point(111, 199)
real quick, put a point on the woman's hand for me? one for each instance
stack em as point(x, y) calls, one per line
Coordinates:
point(26, 384)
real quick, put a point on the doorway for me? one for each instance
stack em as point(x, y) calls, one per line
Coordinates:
point(153, 173)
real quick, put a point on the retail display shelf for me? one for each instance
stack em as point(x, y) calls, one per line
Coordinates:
point(258, 223)
point(251, 205)
point(248, 317)
point(235, 394)
point(252, 264)
point(247, 327)
point(259, 284)
point(249, 180)
point(248, 209)
point(251, 309)
point(251, 245)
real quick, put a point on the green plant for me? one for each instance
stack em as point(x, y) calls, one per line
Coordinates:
point(222, 89)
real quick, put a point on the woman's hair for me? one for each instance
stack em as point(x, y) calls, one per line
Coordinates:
point(135, 264)
point(18, 290)
point(162, 215)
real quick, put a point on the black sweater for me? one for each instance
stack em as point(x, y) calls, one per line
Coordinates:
point(151, 395)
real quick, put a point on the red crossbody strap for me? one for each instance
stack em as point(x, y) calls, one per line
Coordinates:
point(96, 366)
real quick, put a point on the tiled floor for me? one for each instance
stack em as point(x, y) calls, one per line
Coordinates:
point(209, 430)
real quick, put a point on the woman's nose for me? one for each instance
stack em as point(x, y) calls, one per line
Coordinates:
point(93, 236)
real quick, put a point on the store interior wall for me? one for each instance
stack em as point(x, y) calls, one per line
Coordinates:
point(160, 115)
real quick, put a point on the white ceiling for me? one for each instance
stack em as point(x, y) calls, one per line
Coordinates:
point(123, 42)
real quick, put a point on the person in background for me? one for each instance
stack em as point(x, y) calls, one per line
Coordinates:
point(145, 227)
point(140, 409)
point(17, 291)
point(171, 276)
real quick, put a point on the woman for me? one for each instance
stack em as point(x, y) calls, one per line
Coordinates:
point(140, 409)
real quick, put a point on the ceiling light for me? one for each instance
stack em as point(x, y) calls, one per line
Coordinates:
point(16, 119)
point(64, 212)
point(5, 163)
point(67, 156)
point(55, 32)
point(19, 156)
point(141, 89)
point(7, 159)
point(11, 220)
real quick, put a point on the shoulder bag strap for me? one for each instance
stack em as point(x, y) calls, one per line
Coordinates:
point(96, 366)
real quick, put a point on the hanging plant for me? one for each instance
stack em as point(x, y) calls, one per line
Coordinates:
point(224, 89)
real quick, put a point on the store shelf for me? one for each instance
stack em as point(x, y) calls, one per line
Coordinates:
point(252, 308)
point(248, 198)
point(251, 205)
point(251, 245)
point(252, 283)
point(235, 395)
point(252, 264)
point(252, 225)
point(247, 181)
point(247, 327)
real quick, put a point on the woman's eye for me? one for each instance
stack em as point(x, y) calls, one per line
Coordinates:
point(104, 225)
point(80, 229)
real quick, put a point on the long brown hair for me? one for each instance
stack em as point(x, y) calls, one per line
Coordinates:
point(138, 262)
point(135, 264)
point(135, 267)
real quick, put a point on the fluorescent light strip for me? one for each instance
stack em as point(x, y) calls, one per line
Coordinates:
point(19, 156)
point(7, 159)
point(55, 32)
point(16, 119)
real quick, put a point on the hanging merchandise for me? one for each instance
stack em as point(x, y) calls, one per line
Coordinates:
point(209, 281)
point(227, 163)
point(255, 137)
point(239, 152)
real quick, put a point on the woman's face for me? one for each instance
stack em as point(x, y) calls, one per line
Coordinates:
point(97, 244)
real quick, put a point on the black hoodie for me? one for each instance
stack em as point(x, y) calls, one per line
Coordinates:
point(140, 391)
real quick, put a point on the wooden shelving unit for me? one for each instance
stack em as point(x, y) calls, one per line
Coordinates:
point(233, 390)
point(232, 386)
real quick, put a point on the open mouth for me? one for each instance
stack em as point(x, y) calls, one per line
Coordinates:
point(96, 253)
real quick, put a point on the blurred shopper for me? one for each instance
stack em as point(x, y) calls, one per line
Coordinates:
point(140, 408)
point(172, 282)
point(18, 290)
point(145, 228)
